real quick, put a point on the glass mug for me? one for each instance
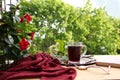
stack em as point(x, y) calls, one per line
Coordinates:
point(75, 52)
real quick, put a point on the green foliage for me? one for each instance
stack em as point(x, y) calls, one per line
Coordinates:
point(57, 20)
point(12, 30)
point(8, 35)
point(61, 45)
point(50, 17)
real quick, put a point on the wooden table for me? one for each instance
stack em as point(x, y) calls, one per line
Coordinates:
point(98, 74)
point(95, 74)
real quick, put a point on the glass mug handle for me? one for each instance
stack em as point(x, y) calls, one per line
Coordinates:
point(85, 50)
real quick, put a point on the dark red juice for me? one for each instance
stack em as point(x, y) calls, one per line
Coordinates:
point(74, 53)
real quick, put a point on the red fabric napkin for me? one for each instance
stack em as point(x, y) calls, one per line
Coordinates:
point(41, 65)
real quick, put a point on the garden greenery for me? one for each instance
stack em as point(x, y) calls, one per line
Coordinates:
point(58, 21)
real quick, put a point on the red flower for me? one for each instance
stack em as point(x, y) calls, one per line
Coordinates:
point(19, 30)
point(21, 20)
point(23, 44)
point(28, 18)
point(32, 35)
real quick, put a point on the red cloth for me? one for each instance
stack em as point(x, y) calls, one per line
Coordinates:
point(41, 65)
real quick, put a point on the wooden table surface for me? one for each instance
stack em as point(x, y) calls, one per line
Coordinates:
point(94, 73)
point(98, 74)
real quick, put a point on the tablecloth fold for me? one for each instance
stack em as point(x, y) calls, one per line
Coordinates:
point(41, 65)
